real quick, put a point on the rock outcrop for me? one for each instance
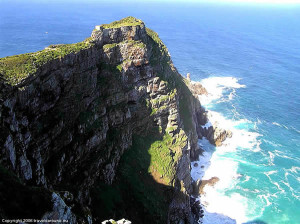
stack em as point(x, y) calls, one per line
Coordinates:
point(197, 88)
point(108, 121)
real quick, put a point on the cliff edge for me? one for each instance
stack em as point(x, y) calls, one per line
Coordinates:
point(105, 128)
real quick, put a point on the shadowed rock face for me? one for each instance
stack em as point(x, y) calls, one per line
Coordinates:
point(66, 126)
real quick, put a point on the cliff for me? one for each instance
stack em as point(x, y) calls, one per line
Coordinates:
point(105, 128)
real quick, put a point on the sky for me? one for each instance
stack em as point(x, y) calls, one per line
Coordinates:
point(220, 1)
point(262, 1)
point(259, 3)
point(281, 2)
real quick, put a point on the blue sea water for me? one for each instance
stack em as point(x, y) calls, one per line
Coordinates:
point(246, 55)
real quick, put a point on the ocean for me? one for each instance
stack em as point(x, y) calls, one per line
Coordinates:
point(248, 58)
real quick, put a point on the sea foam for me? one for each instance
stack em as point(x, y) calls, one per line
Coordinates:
point(216, 86)
point(220, 206)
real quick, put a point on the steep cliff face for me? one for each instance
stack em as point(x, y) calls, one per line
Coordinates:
point(105, 127)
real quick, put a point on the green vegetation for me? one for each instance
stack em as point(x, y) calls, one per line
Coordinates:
point(144, 182)
point(145, 179)
point(163, 154)
point(164, 98)
point(119, 67)
point(134, 193)
point(149, 158)
point(18, 67)
point(130, 43)
point(161, 160)
point(153, 111)
point(109, 46)
point(171, 128)
point(185, 97)
point(128, 21)
point(135, 43)
point(154, 36)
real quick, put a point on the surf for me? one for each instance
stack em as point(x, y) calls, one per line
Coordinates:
point(220, 201)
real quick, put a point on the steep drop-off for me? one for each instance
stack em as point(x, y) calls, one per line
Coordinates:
point(104, 128)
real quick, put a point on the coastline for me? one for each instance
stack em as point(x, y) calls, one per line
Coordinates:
point(214, 173)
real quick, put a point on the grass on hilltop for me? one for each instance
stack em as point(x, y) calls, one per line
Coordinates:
point(128, 21)
point(18, 67)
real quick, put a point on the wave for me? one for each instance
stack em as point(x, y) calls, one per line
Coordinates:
point(216, 218)
point(271, 158)
point(199, 167)
point(280, 125)
point(296, 130)
point(222, 162)
point(216, 87)
point(282, 154)
point(295, 169)
point(266, 198)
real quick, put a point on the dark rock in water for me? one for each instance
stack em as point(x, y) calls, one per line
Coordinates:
point(196, 153)
point(196, 209)
point(215, 134)
point(211, 182)
point(109, 116)
point(195, 164)
point(197, 88)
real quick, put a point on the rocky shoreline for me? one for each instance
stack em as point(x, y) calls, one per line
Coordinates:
point(104, 128)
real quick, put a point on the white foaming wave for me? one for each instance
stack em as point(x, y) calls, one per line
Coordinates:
point(227, 173)
point(231, 95)
point(292, 190)
point(217, 164)
point(217, 119)
point(280, 125)
point(198, 171)
point(283, 155)
point(221, 162)
point(244, 139)
point(259, 121)
point(247, 178)
point(231, 207)
point(272, 143)
point(295, 169)
point(266, 198)
point(293, 176)
point(271, 172)
point(212, 82)
point(271, 159)
point(281, 190)
point(216, 86)
point(209, 166)
point(216, 218)
point(295, 129)
point(278, 186)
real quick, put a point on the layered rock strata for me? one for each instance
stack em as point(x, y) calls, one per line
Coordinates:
point(96, 123)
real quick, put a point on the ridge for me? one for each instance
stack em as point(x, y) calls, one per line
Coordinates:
point(107, 126)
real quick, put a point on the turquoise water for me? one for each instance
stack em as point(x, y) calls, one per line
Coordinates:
point(259, 46)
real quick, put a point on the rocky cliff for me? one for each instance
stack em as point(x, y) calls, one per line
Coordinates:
point(105, 128)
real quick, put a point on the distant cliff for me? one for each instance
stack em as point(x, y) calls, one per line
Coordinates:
point(105, 128)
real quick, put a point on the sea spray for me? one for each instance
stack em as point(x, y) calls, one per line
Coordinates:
point(220, 201)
